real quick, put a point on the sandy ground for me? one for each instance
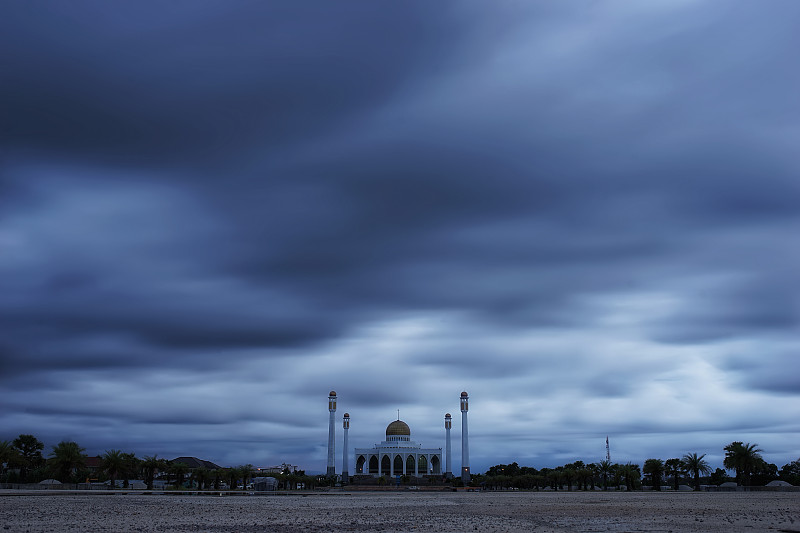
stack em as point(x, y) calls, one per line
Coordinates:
point(387, 512)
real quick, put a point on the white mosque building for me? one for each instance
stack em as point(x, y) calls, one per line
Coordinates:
point(398, 455)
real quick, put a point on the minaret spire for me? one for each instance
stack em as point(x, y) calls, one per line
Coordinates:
point(464, 439)
point(331, 433)
point(345, 466)
point(448, 464)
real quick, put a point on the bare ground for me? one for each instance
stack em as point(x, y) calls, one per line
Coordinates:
point(388, 512)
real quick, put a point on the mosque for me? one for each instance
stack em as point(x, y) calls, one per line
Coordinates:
point(398, 455)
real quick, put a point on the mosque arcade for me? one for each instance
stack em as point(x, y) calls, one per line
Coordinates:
point(398, 454)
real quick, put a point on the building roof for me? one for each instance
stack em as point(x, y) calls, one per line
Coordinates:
point(194, 462)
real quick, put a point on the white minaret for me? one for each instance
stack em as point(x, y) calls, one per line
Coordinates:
point(448, 463)
point(464, 439)
point(331, 433)
point(345, 466)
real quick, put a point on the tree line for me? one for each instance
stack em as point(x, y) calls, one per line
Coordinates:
point(22, 461)
point(744, 459)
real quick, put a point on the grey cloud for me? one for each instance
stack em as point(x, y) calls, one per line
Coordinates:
point(773, 371)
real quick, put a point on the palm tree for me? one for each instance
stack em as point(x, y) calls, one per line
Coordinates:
point(674, 468)
point(201, 476)
point(67, 457)
point(696, 465)
point(583, 476)
point(630, 474)
point(605, 468)
point(568, 475)
point(216, 476)
point(151, 465)
point(655, 469)
point(179, 470)
point(8, 453)
point(131, 467)
point(233, 476)
point(245, 471)
point(113, 465)
point(554, 479)
point(742, 458)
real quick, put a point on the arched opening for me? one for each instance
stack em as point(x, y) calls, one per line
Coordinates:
point(398, 465)
point(373, 464)
point(386, 466)
point(360, 464)
point(423, 465)
point(436, 465)
point(410, 465)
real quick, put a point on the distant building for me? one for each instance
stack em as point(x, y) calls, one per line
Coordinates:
point(398, 455)
point(94, 464)
point(283, 468)
point(265, 483)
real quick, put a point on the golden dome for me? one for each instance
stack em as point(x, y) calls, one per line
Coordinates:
point(398, 427)
point(448, 415)
point(464, 394)
point(347, 415)
point(333, 393)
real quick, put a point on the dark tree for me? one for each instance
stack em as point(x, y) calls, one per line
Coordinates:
point(674, 468)
point(742, 458)
point(131, 467)
point(696, 465)
point(150, 466)
point(113, 465)
point(605, 469)
point(790, 472)
point(29, 457)
point(8, 456)
point(654, 469)
point(67, 458)
point(178, 470)
point(718, 477)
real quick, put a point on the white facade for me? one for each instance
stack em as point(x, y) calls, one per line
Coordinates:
point(398, 455)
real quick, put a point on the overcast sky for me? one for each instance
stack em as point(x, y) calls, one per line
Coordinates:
point(585, 214)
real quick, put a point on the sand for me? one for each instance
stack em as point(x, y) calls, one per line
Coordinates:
point(404, 511)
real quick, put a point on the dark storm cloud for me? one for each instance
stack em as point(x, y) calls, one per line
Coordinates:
point(204, 79)
point(237, 207)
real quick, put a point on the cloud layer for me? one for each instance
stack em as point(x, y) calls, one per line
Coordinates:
point(211, 215)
